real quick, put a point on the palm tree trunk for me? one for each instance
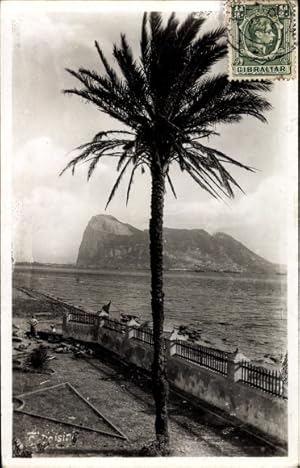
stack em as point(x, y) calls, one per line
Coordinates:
point(159, 377)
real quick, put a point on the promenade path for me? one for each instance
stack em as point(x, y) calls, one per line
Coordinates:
point(123, 396)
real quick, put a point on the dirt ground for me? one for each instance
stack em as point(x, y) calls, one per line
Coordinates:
point(121, 393)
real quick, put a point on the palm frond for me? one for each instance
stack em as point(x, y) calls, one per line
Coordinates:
point(206, 164)
point(109, 70)
point(193, 67)
point(201, 181)
point(97, 148)
point(130, 183)
point(216, 100)
point(209, 170)
point(73, 163)
point(155, 21)
point(107, 108)
point(170, 32)
point(134, 76)
point(144, 40)
point(198, 171)
point(117, 183)
point(189, 29)
point(219, 154)
point(92, 166)
point(122, 160)
point(171, 185)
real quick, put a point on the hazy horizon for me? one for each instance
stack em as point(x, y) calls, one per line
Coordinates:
point(50, 213)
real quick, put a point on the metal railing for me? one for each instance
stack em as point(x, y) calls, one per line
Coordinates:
point(114, 325)
point(267, 380)
point(82, 317)
point(207, 357)
point(143, 334)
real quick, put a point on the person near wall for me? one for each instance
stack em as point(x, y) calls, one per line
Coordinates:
point(52, 334)
point(33, 327)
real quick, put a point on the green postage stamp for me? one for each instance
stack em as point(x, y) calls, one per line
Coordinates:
point(261, 39)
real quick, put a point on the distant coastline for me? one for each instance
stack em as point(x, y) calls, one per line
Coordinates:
point(72, 267)
point(110, 243)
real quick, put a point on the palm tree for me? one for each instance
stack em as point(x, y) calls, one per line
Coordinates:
point(168, 102)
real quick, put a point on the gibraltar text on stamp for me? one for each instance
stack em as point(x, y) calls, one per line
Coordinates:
point(261, 39)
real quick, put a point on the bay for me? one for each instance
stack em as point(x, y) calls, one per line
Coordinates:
point(247, 311)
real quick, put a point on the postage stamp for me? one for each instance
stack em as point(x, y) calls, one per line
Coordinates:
point(261, 39)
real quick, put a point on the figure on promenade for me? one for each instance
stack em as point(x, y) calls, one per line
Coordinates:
point(52, 334)
point(33, 327)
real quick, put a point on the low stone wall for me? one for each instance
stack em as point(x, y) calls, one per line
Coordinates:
point(123, 344)
point(138, 353)
point(250, 405)
point(81, 331)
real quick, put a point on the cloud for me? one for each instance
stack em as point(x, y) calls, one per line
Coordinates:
point(258, 219)
point(50, 212)
point(37, 28)
point(39, 162)
point(49, 226)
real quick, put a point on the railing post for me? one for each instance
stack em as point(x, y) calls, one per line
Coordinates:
point(234, 370)
point(171, 343)
point(65, 323)
point(130, 328)
point(129, 332)
point(234, 367)
point(97, 325)
point(168, 346)
point(126, 334)
point(133, 323)
point(102, 316)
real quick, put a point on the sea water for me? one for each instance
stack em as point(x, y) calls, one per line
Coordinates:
point(247, 311)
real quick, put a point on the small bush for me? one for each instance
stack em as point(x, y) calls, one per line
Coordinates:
point(20, 449)
point(155, 449)
point(38, 358)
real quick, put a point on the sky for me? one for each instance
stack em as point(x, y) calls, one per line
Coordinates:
point(50, 212)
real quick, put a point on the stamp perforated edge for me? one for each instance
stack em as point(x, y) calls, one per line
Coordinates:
point(228, 4)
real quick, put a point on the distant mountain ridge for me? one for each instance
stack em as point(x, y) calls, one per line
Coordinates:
point(109, 243)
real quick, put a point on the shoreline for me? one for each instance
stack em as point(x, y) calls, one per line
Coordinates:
point(195, 335)
point(56, 268)
point(124, 396)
